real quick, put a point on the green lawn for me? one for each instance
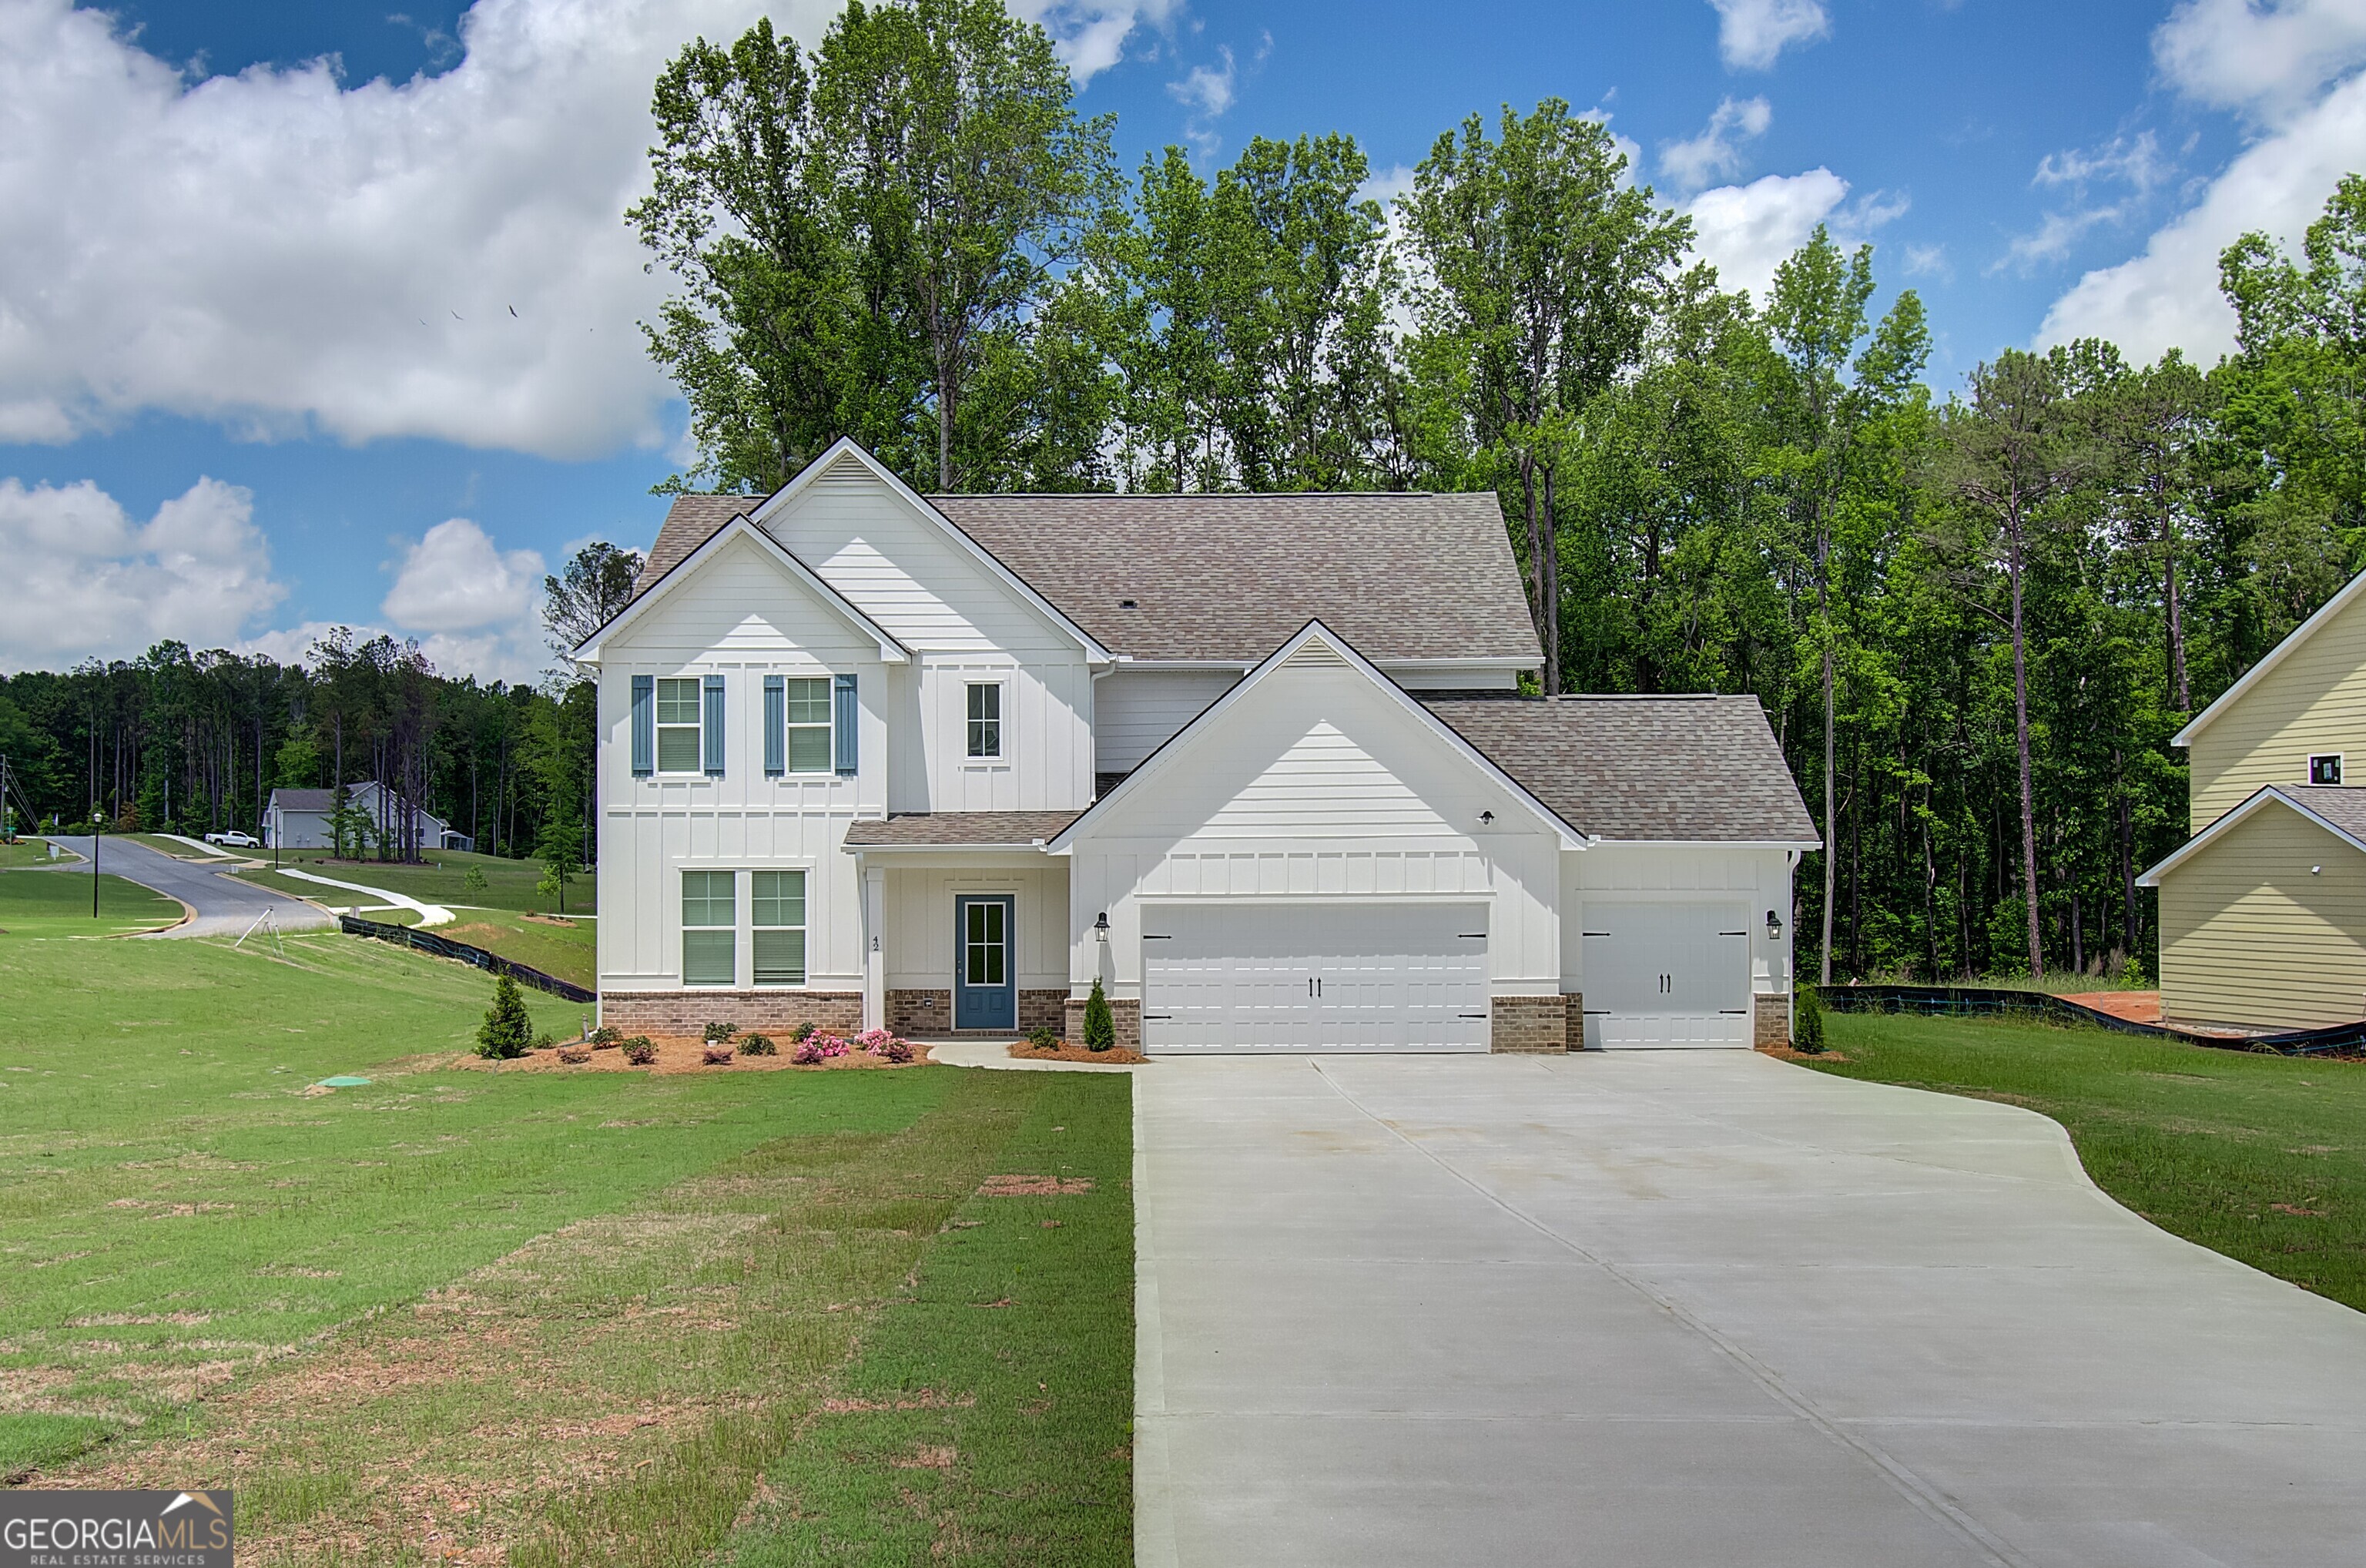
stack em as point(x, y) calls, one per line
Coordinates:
point(567, 951)
point(2260, 1157)
point(57, 903)
point(567, 1317)
point(442, 879)
point(31, 851)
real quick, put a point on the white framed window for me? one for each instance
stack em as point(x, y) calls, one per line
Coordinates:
point(679, 751)
point(710, 928)
point(985, 720)
point(807, 704)
point(2325, 769)
point(777, 926)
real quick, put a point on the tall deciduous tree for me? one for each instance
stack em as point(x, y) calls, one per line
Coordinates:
point(593, 590)
point(1541, 271)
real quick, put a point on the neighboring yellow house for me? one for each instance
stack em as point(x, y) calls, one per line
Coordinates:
point(2263, 911)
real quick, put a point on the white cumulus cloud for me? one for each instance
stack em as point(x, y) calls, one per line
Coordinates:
point(455, 579)
point(2265, 57)
point(1751, 34)
point(1715, 152)
point(1090, 35)
point(284, 252)
point(87, 580)
point(2259, 58)
point(1746, 231)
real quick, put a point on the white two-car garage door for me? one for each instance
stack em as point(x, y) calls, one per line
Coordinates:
point(1666, 975)
point(1315, 976)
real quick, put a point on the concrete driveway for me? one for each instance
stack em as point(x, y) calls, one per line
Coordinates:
point(1694, 1309)
point(220, 904)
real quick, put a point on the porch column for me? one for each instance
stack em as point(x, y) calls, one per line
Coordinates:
point(874, 960)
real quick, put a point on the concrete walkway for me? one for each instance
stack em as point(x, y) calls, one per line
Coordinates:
point(219, 904)
point(1697, 1308)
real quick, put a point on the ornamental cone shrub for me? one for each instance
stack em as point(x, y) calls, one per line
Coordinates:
point(508, 1028)
point(1100, 1029)
point(1807, 1022)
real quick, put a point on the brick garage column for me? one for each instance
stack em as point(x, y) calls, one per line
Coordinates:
point(1533, 1026)
point(1125, 1013)
point(1770, 1021)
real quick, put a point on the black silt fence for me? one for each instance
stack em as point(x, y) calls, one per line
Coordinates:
point(442, 947)
point(1975, 1002)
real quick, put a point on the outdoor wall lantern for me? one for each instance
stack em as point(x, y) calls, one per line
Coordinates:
point(1100, 926)
point(1774, 925)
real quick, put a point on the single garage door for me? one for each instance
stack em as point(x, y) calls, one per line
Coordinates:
point(1315, 976)
point(1659, 974)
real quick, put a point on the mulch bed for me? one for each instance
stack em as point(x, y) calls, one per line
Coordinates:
point(1068, 1051)
point(1785, 1054)
point(685, 1053)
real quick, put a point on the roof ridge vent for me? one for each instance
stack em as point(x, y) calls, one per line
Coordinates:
point(1315, 654)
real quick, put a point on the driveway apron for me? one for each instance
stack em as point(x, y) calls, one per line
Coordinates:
point(1696, 1308)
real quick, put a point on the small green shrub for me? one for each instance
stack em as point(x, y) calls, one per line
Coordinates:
point(801, 1034)
point(757, 1045)
point(1807, 1022)
point(508, 1028)
point(1043, 1037)
point(1100, 1029)
point(640, 1050)
point(474, 882)
point(716, 1034)
point(602, 1038)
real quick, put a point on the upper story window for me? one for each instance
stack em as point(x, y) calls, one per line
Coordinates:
point(677, 742)
point(808, 725)
point(985, 718)
point(2325, 770)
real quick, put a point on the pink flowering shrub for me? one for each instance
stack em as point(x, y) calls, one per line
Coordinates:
point(817, 1048)
point(718, 1052)
point(884, 1045)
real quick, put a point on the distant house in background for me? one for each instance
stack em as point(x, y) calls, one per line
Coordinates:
point(2263, 911)
point(298, 819)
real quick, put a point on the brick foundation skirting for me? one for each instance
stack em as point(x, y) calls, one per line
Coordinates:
point(1124, 1012)
point(1531, 1026)
point(1770, 1021)
point(766, 1011)
point(931, 1012)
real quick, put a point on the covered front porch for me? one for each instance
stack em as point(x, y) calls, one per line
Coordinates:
point(966, 928)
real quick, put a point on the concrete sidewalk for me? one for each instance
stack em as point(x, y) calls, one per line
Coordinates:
point(1697, 1308)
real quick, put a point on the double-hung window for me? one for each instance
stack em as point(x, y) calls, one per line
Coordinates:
point(710, 920)
point(985, 718)
point(808, 725)
point(677, 742)
point(778, 919)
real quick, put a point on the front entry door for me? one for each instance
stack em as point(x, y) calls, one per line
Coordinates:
point(985, 975)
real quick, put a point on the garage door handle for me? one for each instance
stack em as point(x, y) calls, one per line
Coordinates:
point(1475, 1015)
point(1158, 1018)
point(1466, 936)
point(1148, 936)
point(1733, 933)
point(1593, 934)
point(1733, 1013)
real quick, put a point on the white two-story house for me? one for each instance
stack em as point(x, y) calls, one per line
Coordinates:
point(1258, 763)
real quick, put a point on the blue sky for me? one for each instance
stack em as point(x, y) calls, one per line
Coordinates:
point(319, 313)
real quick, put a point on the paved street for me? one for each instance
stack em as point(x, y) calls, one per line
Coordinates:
point(1697, 1308)
point(224, 905)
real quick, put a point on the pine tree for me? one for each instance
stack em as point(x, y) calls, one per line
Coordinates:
point(508, 1028)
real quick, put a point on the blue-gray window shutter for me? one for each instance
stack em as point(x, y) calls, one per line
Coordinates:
point(713, 727)
point(645, 725)
point(776, 721)
point(842, 726)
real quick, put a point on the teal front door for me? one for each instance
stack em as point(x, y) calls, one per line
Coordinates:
point(985, 975)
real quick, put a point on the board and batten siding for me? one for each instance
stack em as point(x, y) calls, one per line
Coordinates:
point(2249, 936)
point(962, 623)
point(918, 928)
point(1612, 872)
point(1317, 785)
point(1137, 711)
point(2313, 701)
point(741, 616)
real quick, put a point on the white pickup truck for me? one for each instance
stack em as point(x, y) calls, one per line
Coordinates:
point(234, 840)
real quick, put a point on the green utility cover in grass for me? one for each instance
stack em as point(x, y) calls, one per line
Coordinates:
point(341, 1083)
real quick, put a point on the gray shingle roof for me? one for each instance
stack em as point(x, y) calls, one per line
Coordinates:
point(958, 829)
point(2344, 806)
point(304, 799)
point(690, 522)
point(1231, 577)
point(1691, 768)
